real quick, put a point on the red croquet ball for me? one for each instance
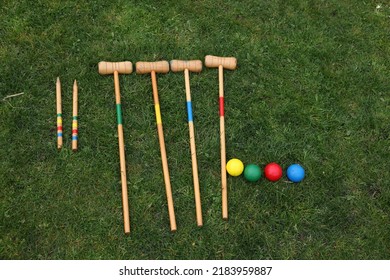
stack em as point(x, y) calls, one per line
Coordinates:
point(273, 171)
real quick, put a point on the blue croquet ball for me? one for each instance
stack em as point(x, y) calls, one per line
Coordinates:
point(295, 173)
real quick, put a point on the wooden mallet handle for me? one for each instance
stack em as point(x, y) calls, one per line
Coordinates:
point(143, 67)
point(223, 144)
point(121, 142)
point(164, 160)
point(181, 65)
point(108, 68)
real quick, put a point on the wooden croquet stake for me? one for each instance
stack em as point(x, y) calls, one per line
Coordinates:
point(75, 121)
point(153, 68)
point(193, 66)
point(115, 68)
point(59, 114)
point(231, 64)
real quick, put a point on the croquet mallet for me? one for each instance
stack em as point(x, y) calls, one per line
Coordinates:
point(221, 63)
point(116, 68)
point(153, 68)
point(193, 66)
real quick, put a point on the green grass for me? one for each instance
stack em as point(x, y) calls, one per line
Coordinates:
point(311, 87)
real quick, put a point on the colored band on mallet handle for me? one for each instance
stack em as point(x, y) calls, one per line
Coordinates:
point(221, 106)
point(158, 114)
point(189, 111)
point(119, 114)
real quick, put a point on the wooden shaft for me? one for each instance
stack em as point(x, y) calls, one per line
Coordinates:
point(107, 68)
point(223, 145)
point(181, 65)
point(143, 67)
point(168, 189)
point(59, 114)
point(125, 200)
point(198, 206)
point(229, 63)
point(75, 133)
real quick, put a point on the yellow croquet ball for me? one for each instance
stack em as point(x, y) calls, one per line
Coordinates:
point(235, 167)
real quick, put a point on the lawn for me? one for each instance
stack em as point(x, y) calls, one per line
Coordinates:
point(311, 87)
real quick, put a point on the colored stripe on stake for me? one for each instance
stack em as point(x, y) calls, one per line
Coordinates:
point(74, 128)
point(74, 124)
point(59, 125)
point(189, 111)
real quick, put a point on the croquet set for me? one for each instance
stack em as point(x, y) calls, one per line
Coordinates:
point(234, 167)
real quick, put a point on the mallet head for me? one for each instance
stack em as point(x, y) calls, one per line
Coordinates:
point(148, 67)
point(181, 65)
point(108, 68)
point(229, 63)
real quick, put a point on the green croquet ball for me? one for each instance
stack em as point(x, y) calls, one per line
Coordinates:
point(252, 172)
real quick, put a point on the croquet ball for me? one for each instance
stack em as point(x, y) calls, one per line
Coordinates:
point(252, 172)
point(235, 167)
point(273, 171)
point(295, 173)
